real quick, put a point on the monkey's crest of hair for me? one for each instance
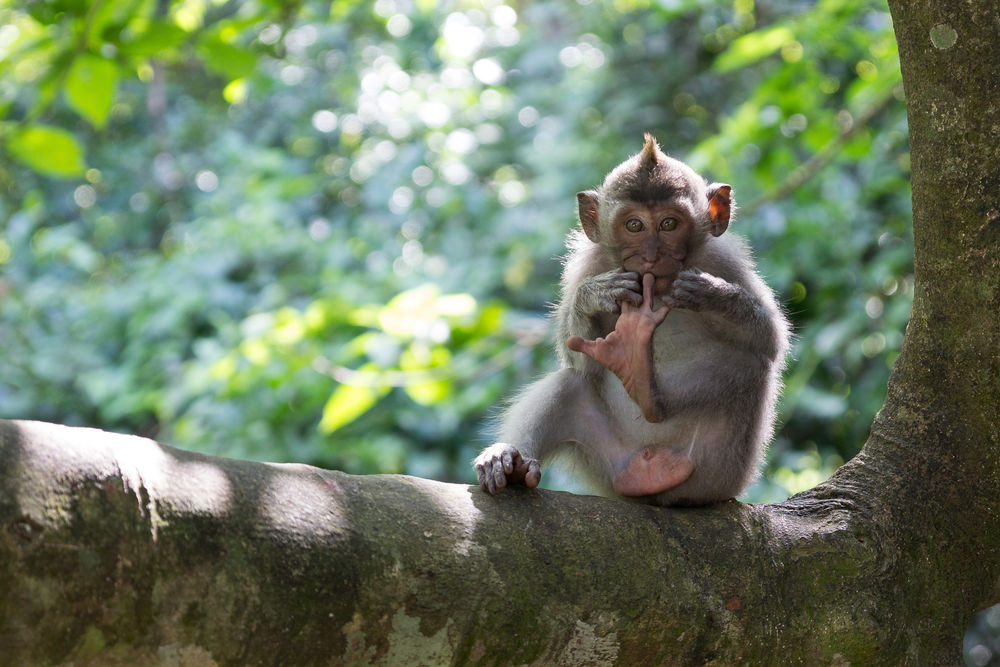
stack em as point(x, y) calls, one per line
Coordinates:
point(651, 176)
point(649, 157)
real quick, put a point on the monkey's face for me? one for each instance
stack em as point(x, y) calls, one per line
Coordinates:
point(654, 239)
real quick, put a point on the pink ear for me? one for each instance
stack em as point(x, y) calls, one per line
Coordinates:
point(587, 202)
point(718, 208)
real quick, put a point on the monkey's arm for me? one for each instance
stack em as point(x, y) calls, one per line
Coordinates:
point(589, 307)
point(628, 353)
point(747, 312)
point(592, 287)
point(559, 410)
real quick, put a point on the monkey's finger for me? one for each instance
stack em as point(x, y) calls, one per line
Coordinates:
point(627, 295)
point(534, 474)
point(630, 299)
point(648, 280)
point(508, 461)
point(630, 279)
point(499, 479)
point(621, 274)
point(673, 301)
point(681, 297)
point(660, 314)
point(578, 344)
point(485, 479)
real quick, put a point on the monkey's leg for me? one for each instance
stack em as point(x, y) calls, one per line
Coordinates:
point(628, 353)
point(561, 412)
point(546, 416)
point(652, 470)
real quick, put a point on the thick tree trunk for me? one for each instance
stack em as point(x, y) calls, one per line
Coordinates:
point(115, 549)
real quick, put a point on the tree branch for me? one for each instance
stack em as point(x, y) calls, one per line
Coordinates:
point(116, 545)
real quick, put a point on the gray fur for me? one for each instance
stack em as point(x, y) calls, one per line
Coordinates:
point(719, 355)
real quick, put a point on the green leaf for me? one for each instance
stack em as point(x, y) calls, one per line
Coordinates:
point(160, 36)
point(348, 402)
point(752, 47)
point(90, 87)
point(49, 150)
point(345, 405)
point(99, 15)
point(226, 59)
point(429, 393)
point(416, 358)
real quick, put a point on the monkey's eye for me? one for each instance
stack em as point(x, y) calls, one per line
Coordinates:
point(634, 225)
point(668, 224)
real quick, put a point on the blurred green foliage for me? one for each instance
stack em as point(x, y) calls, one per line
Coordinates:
point(328, 233)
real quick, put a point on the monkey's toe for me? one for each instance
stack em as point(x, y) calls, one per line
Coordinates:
point(491, 477)
point(533, 475)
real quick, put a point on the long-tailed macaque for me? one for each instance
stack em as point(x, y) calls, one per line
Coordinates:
point(671, 347)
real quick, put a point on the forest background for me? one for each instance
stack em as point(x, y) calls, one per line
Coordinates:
point(330, 233)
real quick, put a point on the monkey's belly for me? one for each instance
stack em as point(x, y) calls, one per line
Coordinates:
point(690, 434)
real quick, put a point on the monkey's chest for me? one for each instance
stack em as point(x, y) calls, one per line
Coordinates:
point(684, 339)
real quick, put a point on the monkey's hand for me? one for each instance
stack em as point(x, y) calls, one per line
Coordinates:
point(627, 351)
point(697, 290)
point(501, 464)
point(605, 292)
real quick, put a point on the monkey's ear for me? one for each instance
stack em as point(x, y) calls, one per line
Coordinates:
point(588, 212)
point(718, 208)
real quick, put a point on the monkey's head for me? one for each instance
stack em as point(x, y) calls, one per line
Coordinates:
point(653, 212)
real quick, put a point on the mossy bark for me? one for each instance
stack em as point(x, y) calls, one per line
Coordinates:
point(117, 550)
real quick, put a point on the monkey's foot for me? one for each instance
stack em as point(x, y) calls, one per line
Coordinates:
point(627, 350)
point(501, 464)
point(652, 470)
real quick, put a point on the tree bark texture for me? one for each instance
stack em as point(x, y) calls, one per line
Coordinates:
point(118, 550)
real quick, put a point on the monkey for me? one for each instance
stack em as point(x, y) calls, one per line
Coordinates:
point(671, 347)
